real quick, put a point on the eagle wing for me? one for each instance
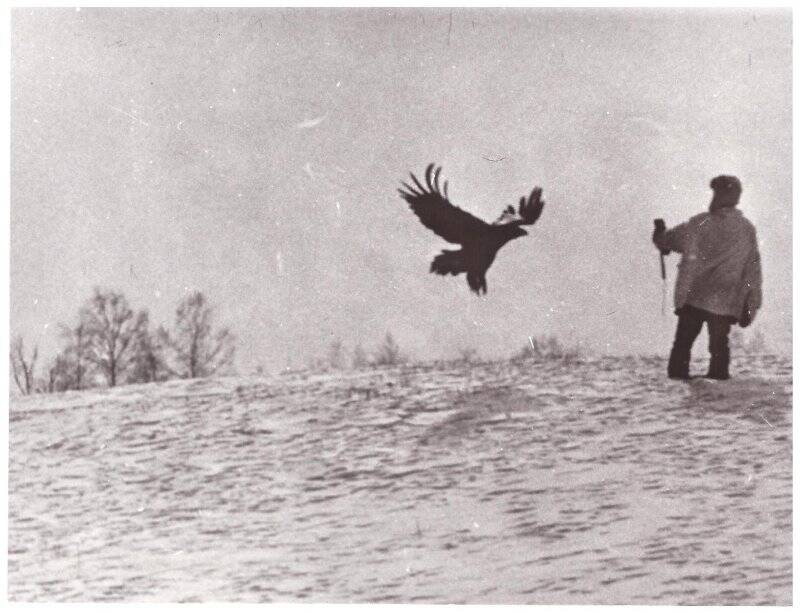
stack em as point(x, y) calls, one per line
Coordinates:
point(431, 205)
point(526, 214)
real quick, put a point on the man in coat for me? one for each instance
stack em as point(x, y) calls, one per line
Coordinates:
point(719, 277)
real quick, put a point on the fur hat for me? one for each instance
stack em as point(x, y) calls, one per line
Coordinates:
point(726, 184)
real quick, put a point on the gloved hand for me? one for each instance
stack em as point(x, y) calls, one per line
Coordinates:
point(747, 317)
point(748, 313)
point(658, 233)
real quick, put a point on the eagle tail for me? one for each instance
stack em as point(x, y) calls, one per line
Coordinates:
point(449, 262)
point(477, 282)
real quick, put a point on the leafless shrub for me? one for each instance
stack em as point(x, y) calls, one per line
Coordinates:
point(547, 347)
point(316, 364)
point(467, 356)
point(22, 368)
point(388, 354)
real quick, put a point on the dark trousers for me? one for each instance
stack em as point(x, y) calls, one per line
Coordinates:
point(690, 323)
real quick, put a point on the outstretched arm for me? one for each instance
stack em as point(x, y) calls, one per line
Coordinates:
point(672, 240)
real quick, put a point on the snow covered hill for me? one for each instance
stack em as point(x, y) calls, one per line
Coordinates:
point(595, 481)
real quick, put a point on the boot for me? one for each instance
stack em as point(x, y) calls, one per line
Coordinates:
point(718, 367)
point(678, 367)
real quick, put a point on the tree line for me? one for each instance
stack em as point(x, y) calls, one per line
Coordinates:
point(111, 344)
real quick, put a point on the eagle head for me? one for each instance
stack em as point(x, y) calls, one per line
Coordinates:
point(515, 232)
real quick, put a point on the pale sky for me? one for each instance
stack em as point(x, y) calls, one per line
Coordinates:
point(255, 155)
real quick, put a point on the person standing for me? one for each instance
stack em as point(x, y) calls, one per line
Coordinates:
point(719, 277)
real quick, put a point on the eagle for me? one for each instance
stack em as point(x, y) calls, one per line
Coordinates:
point(479, 240)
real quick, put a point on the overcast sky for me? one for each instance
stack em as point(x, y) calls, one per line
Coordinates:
point(255, 155)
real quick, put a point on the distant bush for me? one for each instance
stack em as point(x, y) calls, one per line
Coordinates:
point(463, 357)
point(547, 347)
point(752, 344)
point(388, 354)
point(336, 360)
point(467, 356)
point(359, 359)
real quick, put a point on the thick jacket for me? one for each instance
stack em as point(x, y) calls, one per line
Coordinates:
point(720, 270)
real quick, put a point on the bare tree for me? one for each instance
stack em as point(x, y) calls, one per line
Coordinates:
point(147, 360)
point(75, 357)
point(60, 375)
point(21, 367)
point(112, 328)
point(198, 352)
point(388, 353)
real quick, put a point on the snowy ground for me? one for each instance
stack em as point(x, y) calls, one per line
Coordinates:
point(596, 482)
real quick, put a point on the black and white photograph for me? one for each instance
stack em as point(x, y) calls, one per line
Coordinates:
point(400, 305)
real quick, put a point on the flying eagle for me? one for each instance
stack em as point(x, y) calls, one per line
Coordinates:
point(479, 241)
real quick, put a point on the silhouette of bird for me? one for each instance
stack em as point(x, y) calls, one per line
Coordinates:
point(479, 240)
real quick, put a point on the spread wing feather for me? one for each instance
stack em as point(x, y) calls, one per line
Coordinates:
point(433, 208)
point(526, 213)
